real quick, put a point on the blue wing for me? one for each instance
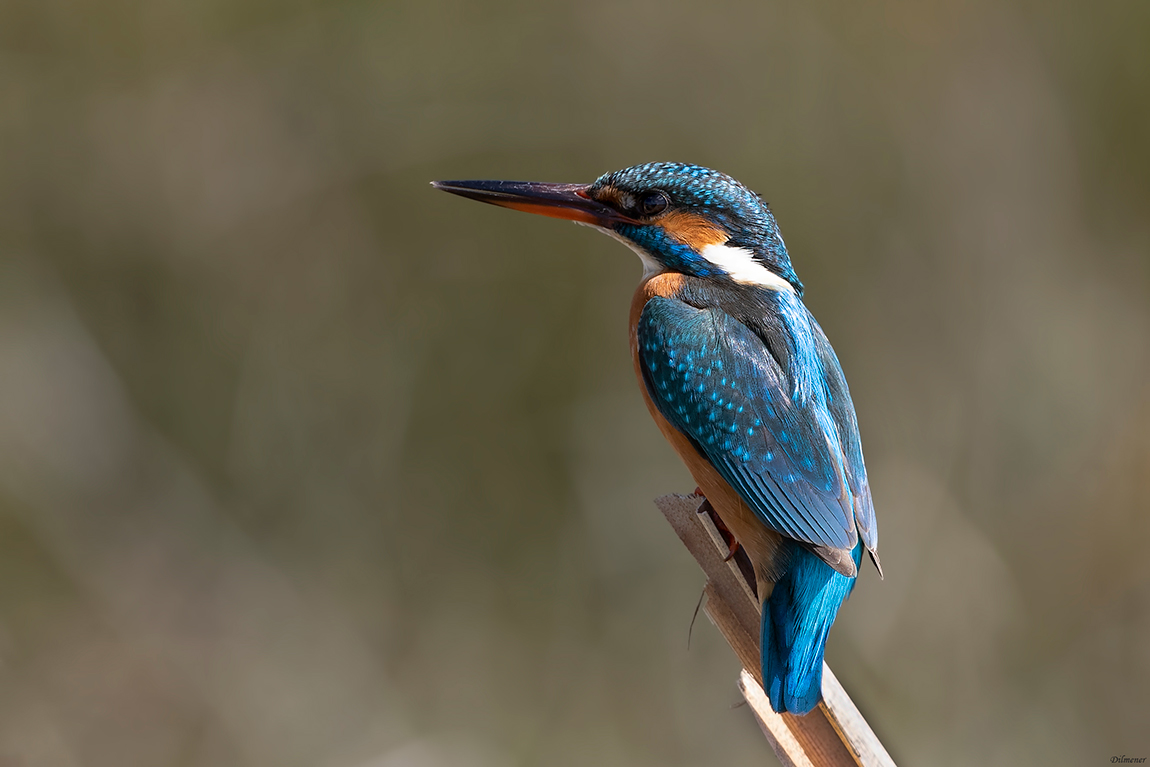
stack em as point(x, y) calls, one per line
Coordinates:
point(798, 465)
point(843, 414)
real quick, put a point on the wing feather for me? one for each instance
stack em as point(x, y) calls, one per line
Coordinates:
point(718, 383)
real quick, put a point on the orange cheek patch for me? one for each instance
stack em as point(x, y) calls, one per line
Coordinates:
point(693, 230)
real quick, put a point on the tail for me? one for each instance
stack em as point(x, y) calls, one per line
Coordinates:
point(796, 619)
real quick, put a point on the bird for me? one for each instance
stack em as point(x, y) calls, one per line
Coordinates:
point(743, 383)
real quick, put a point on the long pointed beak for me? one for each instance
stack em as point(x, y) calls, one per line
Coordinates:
point(567, 201)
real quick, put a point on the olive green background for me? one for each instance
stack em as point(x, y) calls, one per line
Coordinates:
point(304, 463)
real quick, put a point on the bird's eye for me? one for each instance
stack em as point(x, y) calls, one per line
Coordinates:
point(653, 203)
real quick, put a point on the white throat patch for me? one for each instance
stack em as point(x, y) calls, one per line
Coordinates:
point(741, 266)
point(650, 265)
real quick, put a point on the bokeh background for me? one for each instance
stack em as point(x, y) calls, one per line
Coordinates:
point(303, 463)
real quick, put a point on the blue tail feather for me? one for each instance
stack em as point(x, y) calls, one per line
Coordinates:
point(796, 620)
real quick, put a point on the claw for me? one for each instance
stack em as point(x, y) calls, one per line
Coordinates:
point(728, 536)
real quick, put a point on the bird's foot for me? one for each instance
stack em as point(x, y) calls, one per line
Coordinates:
point(728, 537)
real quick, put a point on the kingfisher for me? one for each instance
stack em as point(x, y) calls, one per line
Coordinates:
point(743, 383)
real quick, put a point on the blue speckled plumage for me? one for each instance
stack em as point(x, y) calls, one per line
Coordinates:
point(744, 384)
point(717, 382)
point(775, 439)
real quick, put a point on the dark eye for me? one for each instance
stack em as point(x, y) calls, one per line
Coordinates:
point(653, 203)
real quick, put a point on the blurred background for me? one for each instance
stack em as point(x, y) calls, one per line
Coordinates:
point(303, 463)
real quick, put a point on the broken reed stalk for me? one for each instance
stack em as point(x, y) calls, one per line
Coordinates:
point(834, 734)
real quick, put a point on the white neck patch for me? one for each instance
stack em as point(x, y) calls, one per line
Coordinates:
point(739, 263)
point(741, 266)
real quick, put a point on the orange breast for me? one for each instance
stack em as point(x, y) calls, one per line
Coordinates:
point(761, 543)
